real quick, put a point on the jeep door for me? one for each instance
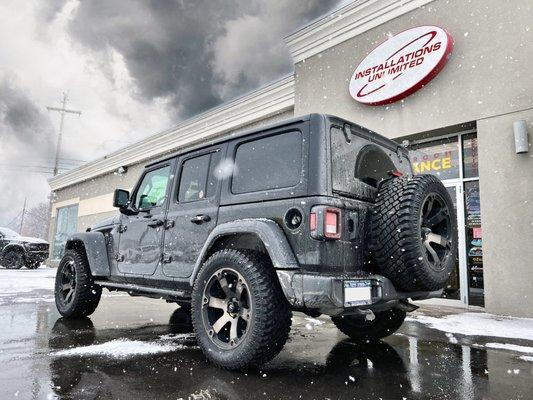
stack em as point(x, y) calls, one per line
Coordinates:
point(192, 212)
point(139, 249)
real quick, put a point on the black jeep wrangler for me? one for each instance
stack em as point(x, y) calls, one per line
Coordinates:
point(21, 251)
point(315, 214)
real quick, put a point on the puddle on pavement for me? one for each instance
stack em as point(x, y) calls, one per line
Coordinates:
point(317, 362)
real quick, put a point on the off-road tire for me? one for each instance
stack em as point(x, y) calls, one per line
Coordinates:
point(270, 317)
point(398, 235)
point(359, 327)
point(86, 294)
point(17, 256)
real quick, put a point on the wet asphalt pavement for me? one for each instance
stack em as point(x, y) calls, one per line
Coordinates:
point(318, 362)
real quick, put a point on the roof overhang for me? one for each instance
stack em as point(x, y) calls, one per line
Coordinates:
point(345, 23)
point(252, 107)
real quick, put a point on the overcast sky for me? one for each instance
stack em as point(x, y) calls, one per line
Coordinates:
point(133, 67)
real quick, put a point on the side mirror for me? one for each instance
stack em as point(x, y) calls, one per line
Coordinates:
point(121, 198)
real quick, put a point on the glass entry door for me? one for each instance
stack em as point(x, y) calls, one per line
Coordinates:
point(455, 287)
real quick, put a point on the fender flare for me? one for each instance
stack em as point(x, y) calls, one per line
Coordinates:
point(268, 231)
point(95, 247)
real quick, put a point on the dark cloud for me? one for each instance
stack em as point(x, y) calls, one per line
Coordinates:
point(195, 54)
point(22, 121)
point(26, 149)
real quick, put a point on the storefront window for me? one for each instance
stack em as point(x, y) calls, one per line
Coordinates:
point(66, 222)
point(474, 243)
point(440, 158)
point(470, 162)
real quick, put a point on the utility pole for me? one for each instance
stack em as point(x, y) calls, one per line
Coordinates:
point(62, 110)
point(22, 217)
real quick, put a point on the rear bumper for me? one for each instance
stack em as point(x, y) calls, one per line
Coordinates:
point(325, 293)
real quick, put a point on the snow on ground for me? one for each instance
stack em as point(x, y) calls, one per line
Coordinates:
point(510, 347)
point(526, 358)
point(479, 324)
point(121, 348)
point(14, 281)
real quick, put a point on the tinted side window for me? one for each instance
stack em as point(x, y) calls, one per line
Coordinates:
point(194, 178)
point(153, 188)
point(372, 165)
point(268, 163)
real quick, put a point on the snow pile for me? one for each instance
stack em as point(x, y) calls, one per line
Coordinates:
point(120, 348)
point(526, 358)
point(511, 347)
point(479, 324)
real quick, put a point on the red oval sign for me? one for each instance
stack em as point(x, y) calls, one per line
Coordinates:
point(401, 65)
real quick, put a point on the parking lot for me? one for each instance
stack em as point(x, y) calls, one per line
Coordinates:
point(135, 348)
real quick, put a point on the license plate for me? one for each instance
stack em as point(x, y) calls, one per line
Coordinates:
point(357, 293)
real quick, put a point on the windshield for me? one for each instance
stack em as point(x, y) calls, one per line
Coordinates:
point(358, 164)
point(6, 232)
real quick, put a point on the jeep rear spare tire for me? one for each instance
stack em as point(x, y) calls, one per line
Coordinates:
point(414, 233)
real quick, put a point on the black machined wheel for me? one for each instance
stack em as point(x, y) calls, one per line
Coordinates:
point(76, 294)
point(13, 259)
point(436, 230)
point(227, 308)
point(67, 284)
point(414, 233)
point(239, 312)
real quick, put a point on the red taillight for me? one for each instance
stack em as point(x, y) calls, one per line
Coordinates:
point(325, 222)
point(312, 222)
point(332, 224)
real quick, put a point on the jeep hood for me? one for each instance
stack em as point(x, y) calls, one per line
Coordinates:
point(106, 223)
point(26, 239)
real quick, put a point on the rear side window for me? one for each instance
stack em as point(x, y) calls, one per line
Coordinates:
point(198, 180)
point(268, 163)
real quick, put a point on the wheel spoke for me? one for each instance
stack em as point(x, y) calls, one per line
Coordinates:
point(438, 239)
point(432, 252)
point(429, 208)
point(68, 297)
point(238, 290)
point(225, 287)
point(437, 218)
point(233, 329)
point(67, 286)
point(245, 314)
point(221, 322)
point(215, 302)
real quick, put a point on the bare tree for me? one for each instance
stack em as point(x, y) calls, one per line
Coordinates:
point(36, 221)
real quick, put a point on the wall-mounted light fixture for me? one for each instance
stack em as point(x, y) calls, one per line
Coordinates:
point(521, 141)
point(121, 170)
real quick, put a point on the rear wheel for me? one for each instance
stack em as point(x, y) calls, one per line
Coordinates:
point(360, 327)
point(240, 315)
point(76, 294)
point(13, 259)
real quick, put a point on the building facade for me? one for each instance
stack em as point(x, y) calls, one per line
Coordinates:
point(459, 126)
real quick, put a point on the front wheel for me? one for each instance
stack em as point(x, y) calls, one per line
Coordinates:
point(240, 315)
point(360, 327)
point(13, 259)
point(76, 294)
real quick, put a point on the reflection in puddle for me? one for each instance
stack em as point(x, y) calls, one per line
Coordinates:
point(318, 363)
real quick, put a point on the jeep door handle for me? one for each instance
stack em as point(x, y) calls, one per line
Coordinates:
point(155, 223)
point(200, 219)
